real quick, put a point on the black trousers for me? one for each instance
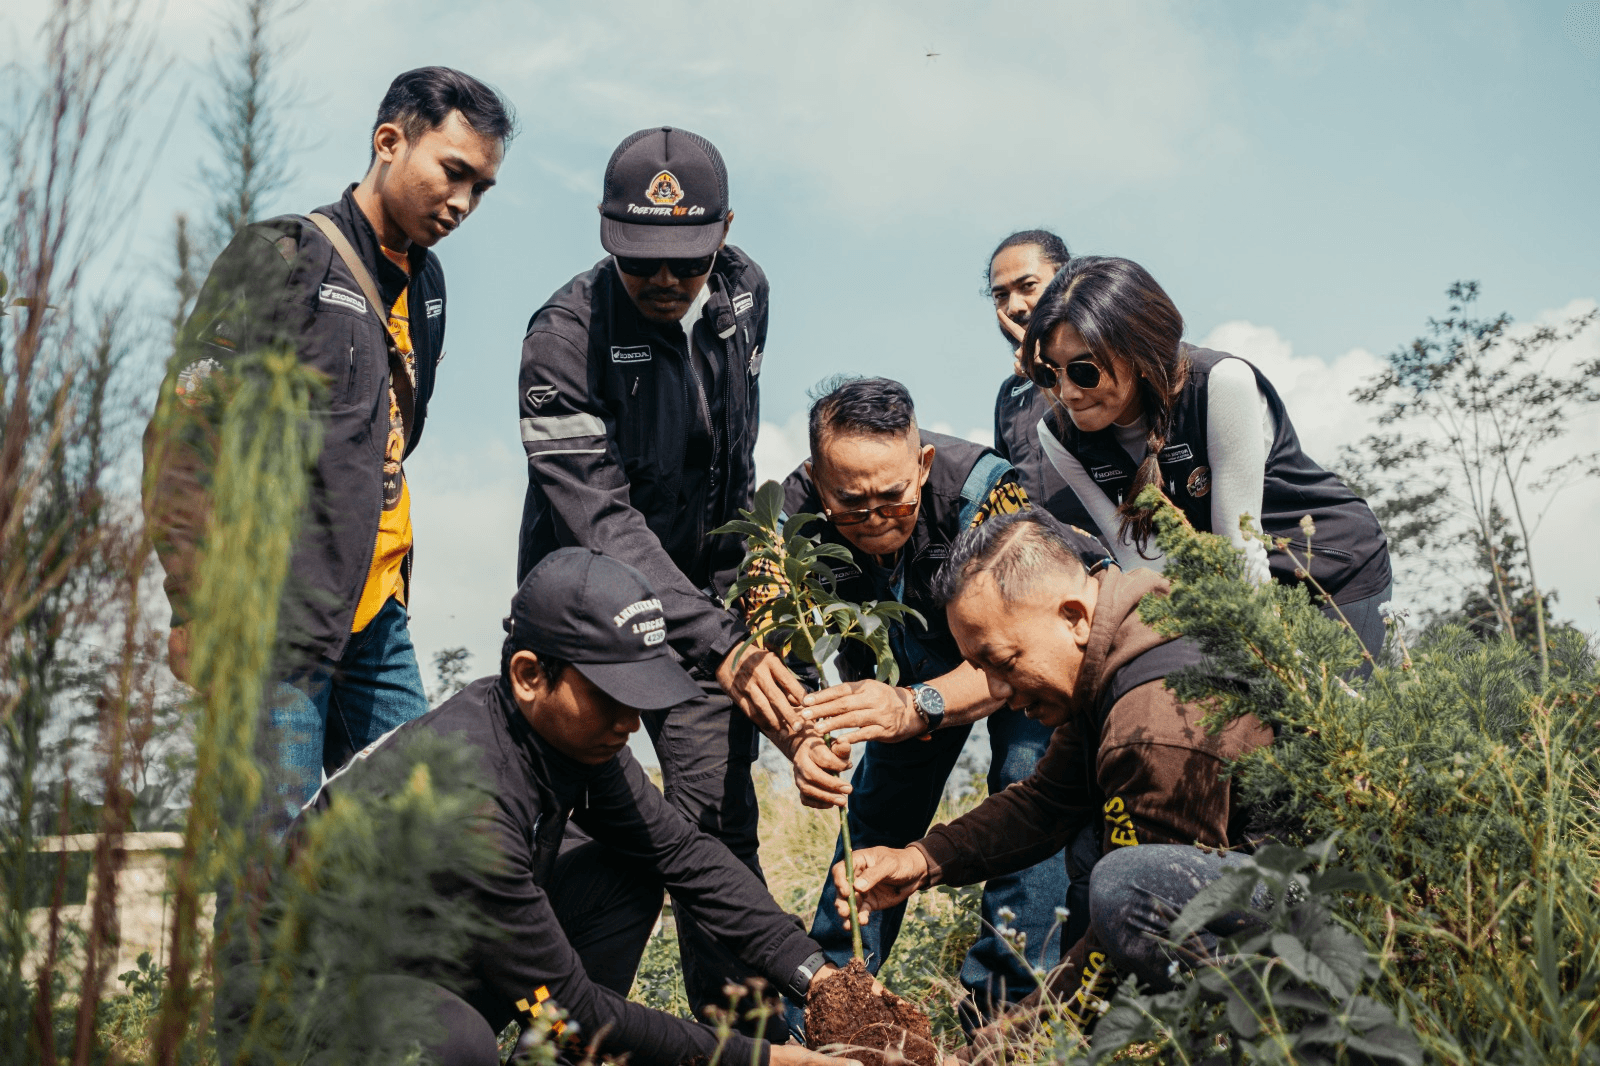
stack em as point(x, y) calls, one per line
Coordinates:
point(606, 910)
point(706, 747)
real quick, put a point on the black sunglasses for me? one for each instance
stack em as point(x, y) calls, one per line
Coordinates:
point(681, 268)
point(1081, 372)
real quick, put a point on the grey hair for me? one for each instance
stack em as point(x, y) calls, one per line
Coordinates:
point(1016, 550)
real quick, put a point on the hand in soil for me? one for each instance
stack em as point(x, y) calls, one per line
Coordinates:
point(851, 1013)
point(795, 1055)
point(884, 877)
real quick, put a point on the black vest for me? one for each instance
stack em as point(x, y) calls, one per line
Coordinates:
point(963, 476)
point(1351, 555)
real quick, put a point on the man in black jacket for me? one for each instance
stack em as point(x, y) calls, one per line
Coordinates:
point(584, 656)
point(639, 407)
point(897, 498)
point(1019, 270)
point(356, 292)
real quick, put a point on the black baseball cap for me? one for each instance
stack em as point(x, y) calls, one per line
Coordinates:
point(666, 196)
point(602, 616)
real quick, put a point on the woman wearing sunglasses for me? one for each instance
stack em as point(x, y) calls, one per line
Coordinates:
point(1133, 405)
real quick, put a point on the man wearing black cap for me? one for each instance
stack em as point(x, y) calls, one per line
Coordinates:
point(639, 411)
point(584, 658)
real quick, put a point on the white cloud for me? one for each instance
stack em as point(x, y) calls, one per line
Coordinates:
point(1317, 394)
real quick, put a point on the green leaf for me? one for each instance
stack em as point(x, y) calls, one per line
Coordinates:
point(1390, 1043)
point(743, 529)
point(1230, 892)
point(1307, 966)
point(1242, 1015)
point(1125, 1023)
point(768, 509)
point(827, 647)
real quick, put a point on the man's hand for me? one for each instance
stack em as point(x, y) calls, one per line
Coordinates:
point(884, 877)
point(1016, 332)
point(817, 767)
point(178, 652)
point(763, 688)
point(874, 711)
point(800, 1055)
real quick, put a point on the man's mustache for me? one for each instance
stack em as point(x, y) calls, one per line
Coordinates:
point(656, 292)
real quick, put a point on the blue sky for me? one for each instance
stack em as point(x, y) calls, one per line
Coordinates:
point(1305, 179)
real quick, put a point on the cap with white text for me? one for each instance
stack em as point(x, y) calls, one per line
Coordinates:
point(666, 196)
point(602, 616)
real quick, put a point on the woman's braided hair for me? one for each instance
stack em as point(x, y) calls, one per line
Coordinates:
point(1120, 312)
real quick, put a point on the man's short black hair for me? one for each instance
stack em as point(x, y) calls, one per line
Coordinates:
point(875, 406)
point(1052, 247)
point(421, 100)
point(1016, 550)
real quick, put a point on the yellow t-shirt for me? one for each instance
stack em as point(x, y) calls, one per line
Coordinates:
point(385, 579)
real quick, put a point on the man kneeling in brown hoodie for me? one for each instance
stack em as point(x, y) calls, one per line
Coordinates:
point(1130, 783)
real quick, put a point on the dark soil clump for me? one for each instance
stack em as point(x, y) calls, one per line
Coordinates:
point(878, 1030)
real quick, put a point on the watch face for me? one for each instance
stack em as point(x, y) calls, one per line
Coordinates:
point(930, 700)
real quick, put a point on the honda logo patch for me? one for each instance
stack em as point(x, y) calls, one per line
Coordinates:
point(639, 353)
point(340, 297)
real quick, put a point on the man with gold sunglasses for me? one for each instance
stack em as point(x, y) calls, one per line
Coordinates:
point(896, 497)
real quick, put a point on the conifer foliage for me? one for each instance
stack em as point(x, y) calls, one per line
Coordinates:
point(1455, 780)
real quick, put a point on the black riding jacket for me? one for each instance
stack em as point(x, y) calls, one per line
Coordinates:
point(534, 790)
point(638, 450)
point(280, 282)
point(1349, 556)
point(1017, 410)
point(964, 476)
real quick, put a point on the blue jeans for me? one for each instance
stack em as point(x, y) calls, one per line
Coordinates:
point(896, 792)
point(323, 718)
point(1134, 895)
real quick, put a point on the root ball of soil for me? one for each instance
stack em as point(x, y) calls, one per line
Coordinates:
point(878, 1030)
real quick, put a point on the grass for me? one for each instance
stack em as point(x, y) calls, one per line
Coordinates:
point(797, 845)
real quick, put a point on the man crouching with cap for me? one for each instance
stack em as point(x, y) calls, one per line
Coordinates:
point(584, 655)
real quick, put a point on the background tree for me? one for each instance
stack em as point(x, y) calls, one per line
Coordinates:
point(1470, 420)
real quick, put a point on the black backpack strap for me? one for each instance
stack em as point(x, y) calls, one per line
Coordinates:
point(1152, 665)
point(1157, 663)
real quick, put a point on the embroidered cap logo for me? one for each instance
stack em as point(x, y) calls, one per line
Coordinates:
point(664, 189)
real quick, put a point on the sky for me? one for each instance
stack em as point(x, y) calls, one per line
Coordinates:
point(1304, 179)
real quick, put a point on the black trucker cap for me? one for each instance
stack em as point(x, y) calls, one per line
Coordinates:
point(602, 616)
point(666, 196)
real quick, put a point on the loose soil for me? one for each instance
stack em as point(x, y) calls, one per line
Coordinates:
point(877, 1030)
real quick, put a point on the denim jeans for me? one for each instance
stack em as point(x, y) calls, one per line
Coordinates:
point(319, 720)
point(1135, 893)
point(896, 792)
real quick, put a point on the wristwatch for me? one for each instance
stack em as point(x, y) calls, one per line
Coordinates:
point(930, 704)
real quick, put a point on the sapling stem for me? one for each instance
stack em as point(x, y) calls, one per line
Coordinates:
point(850, 878)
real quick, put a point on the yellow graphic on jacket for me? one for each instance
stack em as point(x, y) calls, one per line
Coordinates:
point(1095, 983)
point(1120, 824)
point(385, 578)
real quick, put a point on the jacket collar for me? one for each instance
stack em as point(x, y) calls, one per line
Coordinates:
point(349, 217)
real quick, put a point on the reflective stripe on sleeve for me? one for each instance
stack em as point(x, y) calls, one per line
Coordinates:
point(562, 427)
